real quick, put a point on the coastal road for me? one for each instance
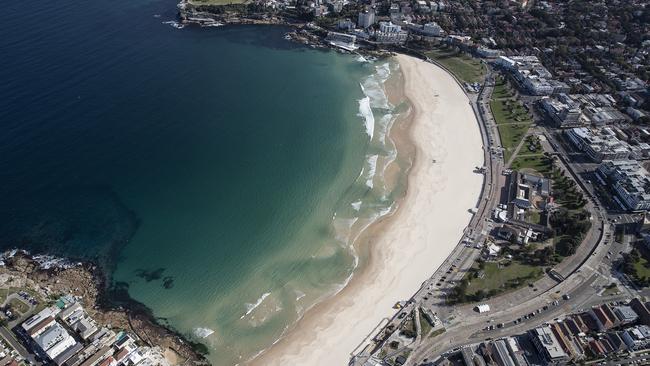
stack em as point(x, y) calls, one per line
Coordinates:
point(465, 252)
point(586, 274)
point(9, 337)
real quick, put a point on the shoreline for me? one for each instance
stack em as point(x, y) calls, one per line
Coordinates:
point(48, 274)
point(441, 188)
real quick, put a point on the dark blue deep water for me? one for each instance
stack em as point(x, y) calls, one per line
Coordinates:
point(213, 158)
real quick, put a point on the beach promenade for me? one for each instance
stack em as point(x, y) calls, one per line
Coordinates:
point(409, 245)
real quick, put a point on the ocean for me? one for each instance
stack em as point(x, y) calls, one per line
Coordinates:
point(218, 174)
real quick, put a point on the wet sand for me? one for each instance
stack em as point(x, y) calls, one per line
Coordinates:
point(403, 249)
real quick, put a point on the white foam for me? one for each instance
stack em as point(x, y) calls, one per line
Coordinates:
point(372, 169)
point(384, 126)
point(383, 71)
point(299, 295)
point(251, 307)
point(174, 24)
point(366, 112)
point(203, 332)
point(356, 205)
point(373, 86)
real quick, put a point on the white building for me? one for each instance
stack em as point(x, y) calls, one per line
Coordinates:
point(55, 340)
point(483, 308)
point(366, 18)
point(564, 111)
point(625, 314)
point(629, 181)
point(601, 116)
point(637, 337)
point(547, 345)
point(47, 313)
point(432, 30)
point(603, 144)
point(342, 40)
point(390, 33)
point(345, 24)
point(500, 349)
point(532, 75)
point(487, 52)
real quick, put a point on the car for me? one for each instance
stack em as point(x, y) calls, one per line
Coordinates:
point(545, 307)
point(500, 325)
point(566, 297)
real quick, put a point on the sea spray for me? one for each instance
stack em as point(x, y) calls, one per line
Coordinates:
point(368, 199)
point(371, 162)
point(251, 307)
point(200, 332)
point(365, 111)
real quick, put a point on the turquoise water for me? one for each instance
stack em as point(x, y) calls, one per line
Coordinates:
point(218, 174)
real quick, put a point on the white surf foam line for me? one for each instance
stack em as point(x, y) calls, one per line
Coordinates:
point(366, 112)
point(251, 307)
point(174, 24)
point(372, 168)
point(373, 87)
point(385, 122)
point(299, 295)
point(203, 332)
point(356, 205)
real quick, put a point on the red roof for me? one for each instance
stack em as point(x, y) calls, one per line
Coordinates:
point(120, 355)
point(40, 325)
point(107, 361)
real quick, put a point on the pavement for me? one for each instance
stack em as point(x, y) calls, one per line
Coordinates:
point(9, 337)
point(465, 253)
point(586, 274)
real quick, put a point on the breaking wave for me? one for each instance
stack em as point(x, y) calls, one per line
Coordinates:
point(251, 307)
point(366, 112)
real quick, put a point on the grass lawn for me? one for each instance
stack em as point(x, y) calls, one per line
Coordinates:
point(642, 268)
point(497, 278)
point(636, 264)
point(4, 292)
point(537, 163)
point(611, 289)
point(511, 135)
point(512, 119)
point(533, 217)
point(18, 305)
point(437, 332)
point(501, 90)
point(466, 68)
point(509, 111)
point(424, 325)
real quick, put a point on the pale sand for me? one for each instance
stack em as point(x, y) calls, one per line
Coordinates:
point(412, 243)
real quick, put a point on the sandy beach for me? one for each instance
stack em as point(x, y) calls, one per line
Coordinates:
point(407, 247)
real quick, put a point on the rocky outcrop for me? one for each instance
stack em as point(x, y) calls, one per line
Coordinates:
point(85, 281)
